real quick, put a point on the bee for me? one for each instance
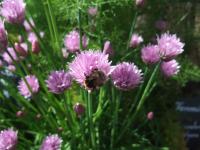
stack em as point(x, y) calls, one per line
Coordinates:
point(96, 79)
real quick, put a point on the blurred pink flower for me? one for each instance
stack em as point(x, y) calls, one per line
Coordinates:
point(11, 68)
point(33, 83)
point(72, 41)
point(161, 25)
point(7, 57)
point(92, 11)
point(13, 11)
point(170, 68)
point(135, 40)
point(3, 37)
point(150, 54)
point(8, 139)
point(51, 142)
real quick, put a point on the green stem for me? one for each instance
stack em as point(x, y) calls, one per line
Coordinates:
point(141, 102)
point(53, 22)
point(80, 26)
point(115, 103)
point(90, 120)
point(132, 27)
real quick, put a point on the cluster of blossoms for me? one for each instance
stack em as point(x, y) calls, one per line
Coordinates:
point(91, 69)
point(9, 140)
point(167, 48)
point(13, 12)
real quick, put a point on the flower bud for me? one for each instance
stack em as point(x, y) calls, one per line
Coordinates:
point(92, 11)
point(35, 47)
point(108, 48)
point(19, 113)
point(135, 40)
point(21, 49)
point(79, 109)
point(150, 115)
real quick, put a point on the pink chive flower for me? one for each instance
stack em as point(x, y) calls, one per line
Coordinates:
point(150, 115)
point(3, 36)
point(135, 40)
point(79, 109)
point(126, 76)
point(13, 11)
point(33, 83)
point(140, 3)
point(7, 57)
point(27, 26)
point(150, 54)
point(72, 41)
point(92, 11)
point(8, 139)
point(161, 25)
point(107, 49)
point(170, 46)
point(58, 81)
point(170, 68)
point(90, 69)
point(21, 48)
point(51, 142)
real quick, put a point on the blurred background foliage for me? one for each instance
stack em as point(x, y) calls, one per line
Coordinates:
point(113, 23)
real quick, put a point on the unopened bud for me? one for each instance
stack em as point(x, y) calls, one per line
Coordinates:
point(79, 109)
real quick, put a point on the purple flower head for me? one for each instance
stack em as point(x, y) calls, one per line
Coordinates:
point(92, 11)
point(161, 25)
point(90, 69)
point(72, 41)
point(8, 139)
point(7, 57)
point(126, 76)
point(27, 26)
point(107, 49)
point(3, 36)
point(33, 83)
point(150, 54)
point(135, 40)
point(170, 68)
point(58, 81)
point(79, 109)
point(170, 46)
point(51, 142)
point(13, 11)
